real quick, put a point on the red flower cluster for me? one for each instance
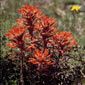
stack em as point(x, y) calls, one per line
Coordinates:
point(15, 35)
point(64, 41)
point(33, 33)
point(29, 11)
point(15, 32)
point(41, 58)
point(48, 25)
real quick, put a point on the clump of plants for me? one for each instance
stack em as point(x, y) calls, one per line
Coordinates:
point(41, 49)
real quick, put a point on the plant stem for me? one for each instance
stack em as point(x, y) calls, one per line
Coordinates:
point(21, 69)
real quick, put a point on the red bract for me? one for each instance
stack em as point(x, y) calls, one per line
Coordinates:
point(64, 41)
point(12, 45)
point(47, 21)
point(31, 47)
point(30, 11)
point(41, 58)
point(38, 24)
point(48, 25)
point(21, 21)
point(15, 32)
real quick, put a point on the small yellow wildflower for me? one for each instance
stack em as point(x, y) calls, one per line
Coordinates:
point(75, 8)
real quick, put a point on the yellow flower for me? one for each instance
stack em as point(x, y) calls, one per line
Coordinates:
point(75, 8)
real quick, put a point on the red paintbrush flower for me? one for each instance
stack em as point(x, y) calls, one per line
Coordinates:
point(47, 21)
point(48, 25)
point(41, 58)
point(64, 41)
point(30, 11)
point(31, 17)
point(15, 32)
